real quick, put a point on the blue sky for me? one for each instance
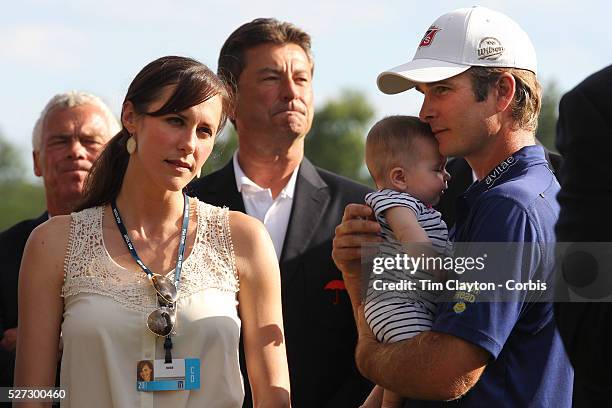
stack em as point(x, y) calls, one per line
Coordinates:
point(98, 46)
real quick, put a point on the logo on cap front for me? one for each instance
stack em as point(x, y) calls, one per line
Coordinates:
point(429, 36)
point(490, 48)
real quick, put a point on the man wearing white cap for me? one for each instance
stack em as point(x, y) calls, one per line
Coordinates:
point(477, 71)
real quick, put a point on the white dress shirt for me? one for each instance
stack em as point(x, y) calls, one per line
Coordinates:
point(258, 203)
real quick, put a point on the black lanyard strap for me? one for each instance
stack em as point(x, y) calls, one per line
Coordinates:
point(182, 241)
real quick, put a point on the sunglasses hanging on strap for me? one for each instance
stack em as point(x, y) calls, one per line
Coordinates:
point(161, 321)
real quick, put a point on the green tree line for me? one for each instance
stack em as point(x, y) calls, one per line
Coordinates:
point(19, 198)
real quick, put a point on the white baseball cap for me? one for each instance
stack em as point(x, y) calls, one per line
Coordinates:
point(458, 40)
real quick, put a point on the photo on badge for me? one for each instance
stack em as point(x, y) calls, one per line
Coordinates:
point(145, 371)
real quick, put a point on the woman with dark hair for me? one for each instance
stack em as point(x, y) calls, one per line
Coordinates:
point(111, 279)
point(145, 370)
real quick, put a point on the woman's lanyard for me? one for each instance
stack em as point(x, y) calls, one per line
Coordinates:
point(179, 259)
point(130, 246)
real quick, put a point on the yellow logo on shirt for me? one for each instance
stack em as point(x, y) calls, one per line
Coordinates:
point(459, 307)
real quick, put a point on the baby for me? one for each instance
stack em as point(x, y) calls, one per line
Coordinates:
point(403, 158)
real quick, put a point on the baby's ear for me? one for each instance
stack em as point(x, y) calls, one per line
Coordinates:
point(397, 176)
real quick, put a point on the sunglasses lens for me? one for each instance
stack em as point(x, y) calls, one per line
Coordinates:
point(161, 321)
point(165, 288)
point(163, 302)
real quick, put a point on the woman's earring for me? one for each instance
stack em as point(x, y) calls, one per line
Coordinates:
point(130, 145)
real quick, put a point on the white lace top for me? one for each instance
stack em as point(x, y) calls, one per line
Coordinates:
point(106, 307)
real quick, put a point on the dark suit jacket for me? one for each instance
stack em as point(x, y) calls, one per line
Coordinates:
point(584, 139)
point(319, 326)
point(461, 179)
point(12, 244)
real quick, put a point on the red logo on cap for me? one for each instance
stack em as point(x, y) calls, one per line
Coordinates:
point(429, 36)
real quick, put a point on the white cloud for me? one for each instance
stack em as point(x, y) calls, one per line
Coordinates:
point(45, 45)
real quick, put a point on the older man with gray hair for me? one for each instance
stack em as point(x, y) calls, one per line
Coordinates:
point(70, 133)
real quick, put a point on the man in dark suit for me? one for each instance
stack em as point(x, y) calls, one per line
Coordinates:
point(584, 138)
point(69, 135)
point(270, 66)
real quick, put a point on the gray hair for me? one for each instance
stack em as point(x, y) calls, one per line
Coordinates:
point(72, 99)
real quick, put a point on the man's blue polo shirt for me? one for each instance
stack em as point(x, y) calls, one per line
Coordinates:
point(516, 202)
